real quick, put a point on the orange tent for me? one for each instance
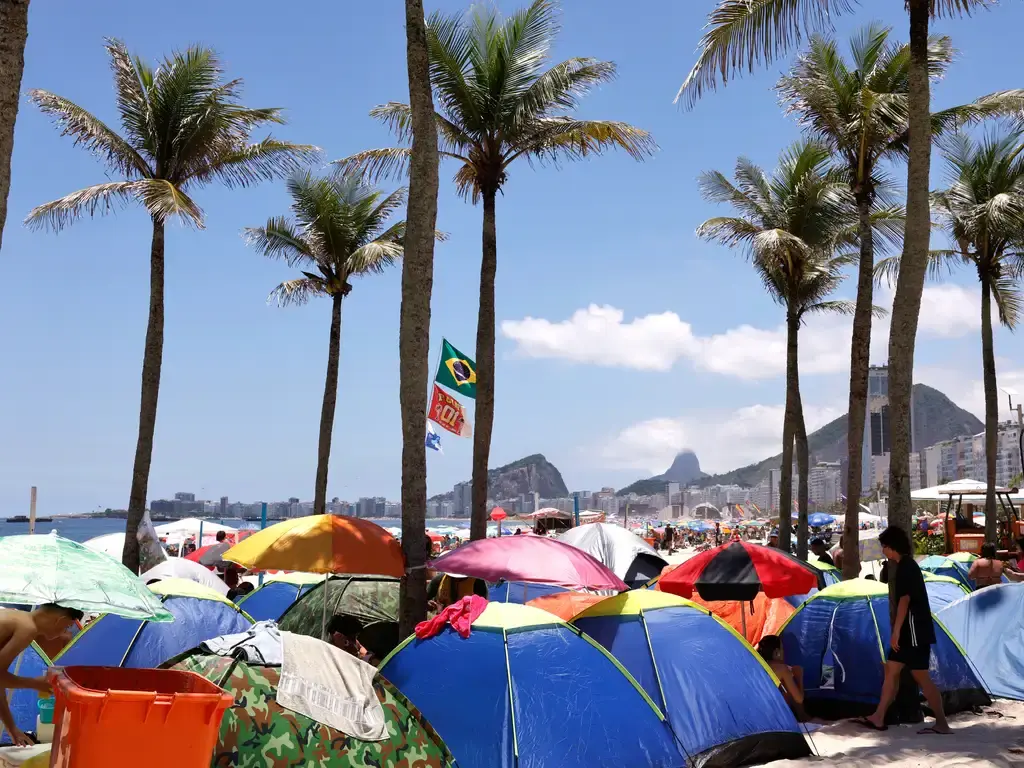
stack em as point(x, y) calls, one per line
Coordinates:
point(565, 605)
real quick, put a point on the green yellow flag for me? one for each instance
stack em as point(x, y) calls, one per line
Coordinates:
point(456, 371)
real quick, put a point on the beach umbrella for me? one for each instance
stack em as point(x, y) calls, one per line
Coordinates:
point(820, 519)
point(322, 544)
point(51, 569)
point(180, 568)
point(529, 558)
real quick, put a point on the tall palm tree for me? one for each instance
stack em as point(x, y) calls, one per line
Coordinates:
point(859, 110)
point(497, 102)
point(791, 226)
point(13, 36)
point(182, 128)
point(744, 34)
point(340, 231)
point(982, 213)
point(414, 324)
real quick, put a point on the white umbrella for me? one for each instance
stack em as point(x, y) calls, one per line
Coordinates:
point(110, 544)
point(180, 568)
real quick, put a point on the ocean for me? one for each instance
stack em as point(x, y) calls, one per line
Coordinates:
point(84, 528)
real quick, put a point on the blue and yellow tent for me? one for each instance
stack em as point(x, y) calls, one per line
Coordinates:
point(722, 701)
point(943, 590)
point(31, 662)
point(527, 690)
point(840, 637)
point(199, 613)
point(269, 601)
point(955, 566)
point(827, 576)
point(520, 592)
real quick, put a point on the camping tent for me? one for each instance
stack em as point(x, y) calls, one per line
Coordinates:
point(275, 596)
point(989, 626)
point(942, 590)
point(112, 641)
point(529, 690)
point(840, 636)
point(31, 662)
point(370, 599)
point(680, 653)
point(956, 568)
point(260, 733)
point(625, 554)
point(521, 592)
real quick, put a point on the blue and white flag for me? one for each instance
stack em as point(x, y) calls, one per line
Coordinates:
point(433, 440)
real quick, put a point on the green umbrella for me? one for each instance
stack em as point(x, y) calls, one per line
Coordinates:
point(43, 569)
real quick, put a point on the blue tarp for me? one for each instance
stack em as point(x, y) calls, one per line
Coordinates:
point(851, 635)
point(520, 591)
point(681, 655)
point(113, 641)
point(989, 626)
point(269, 602)
point(23, 701)
point(567, 703)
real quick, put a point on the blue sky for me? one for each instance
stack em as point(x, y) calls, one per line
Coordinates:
point(691, 362)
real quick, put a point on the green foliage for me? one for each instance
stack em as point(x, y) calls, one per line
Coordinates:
point(928, 545)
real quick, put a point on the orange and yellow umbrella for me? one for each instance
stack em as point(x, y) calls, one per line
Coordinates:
point(322, 544)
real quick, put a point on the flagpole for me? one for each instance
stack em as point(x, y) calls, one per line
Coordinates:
point(432, 379)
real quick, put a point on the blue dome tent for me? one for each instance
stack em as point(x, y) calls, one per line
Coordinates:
point(526, 689)
point(31, 662)
point(953, 567)
point(943, 590)
point(989, 626)
point(270, 600)
point(112, 641)
point(520, 592)
point(680, 653)
point(840, 636)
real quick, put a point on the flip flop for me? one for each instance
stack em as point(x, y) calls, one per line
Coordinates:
point(863, 721)
point(931, 729)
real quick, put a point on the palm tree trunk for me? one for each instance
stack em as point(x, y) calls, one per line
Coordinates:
point(414, 324)
point(803, 472)
point(789, 426)
point(323, 457)
point(988, 363)
point(913, 265)
point(151, 362)
point(860, 352)
point(484, 370)
point(13, 36)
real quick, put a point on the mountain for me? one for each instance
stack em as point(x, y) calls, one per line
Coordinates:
point(936, 418)
point(533, 474)
point(685, 470)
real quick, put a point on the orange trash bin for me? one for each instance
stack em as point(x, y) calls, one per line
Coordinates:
point(157, 718)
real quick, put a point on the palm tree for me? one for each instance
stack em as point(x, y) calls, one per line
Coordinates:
point(414, 326)
point(982, 213)
point(791, 226)
point(182, 128)
point(338, 233)
point(859, 111)
point(496, 104)
point(743, 34)
point(13, 36)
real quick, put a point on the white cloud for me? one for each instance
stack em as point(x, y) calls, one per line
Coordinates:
point(601, 335)
point(722, 440)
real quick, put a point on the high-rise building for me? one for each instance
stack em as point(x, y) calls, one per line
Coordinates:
point(181, 496)
point(462, 499)
point(223, 506)
point(878, 430)
point(824, 483)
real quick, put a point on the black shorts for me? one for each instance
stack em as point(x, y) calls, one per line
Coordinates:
point(916, 657)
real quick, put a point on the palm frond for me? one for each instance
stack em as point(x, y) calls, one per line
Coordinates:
point(279, 239)
point(376, 256)
point(1008, 299)
point(298, 291)
point(133, 79)
point(377, 164)
point(746, 34)
point(837, 306)
point(91, 133)
point(556, 138)
point(160, 198)
point(250, 164)
point(398, 119)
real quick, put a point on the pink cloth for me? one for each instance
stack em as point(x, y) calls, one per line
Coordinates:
point(460, 615)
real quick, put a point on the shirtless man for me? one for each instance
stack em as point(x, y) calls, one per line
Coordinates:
point(987, 570)
point(17, 631)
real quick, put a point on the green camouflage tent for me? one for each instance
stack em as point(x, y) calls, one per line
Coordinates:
point(371, 599)
point(258, 733)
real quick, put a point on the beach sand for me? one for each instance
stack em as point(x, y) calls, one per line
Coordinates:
point(995, 738)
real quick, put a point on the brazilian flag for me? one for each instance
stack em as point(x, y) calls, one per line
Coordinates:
point(456, 371)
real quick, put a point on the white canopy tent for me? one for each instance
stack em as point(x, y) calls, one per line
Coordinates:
point(966, 489)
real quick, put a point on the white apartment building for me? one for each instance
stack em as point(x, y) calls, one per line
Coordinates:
point(824, 483)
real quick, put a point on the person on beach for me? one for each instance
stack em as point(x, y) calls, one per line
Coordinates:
point(837, 557)
point(821, 551)
point(669, 539)
point(791, 679)
point(17, 631)
point(913, 632)
point(988, 570)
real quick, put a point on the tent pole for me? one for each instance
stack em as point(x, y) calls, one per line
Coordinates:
point(743, 620)
point(323, 621)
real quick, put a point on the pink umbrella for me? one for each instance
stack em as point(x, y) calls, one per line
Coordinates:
point(529, 558)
